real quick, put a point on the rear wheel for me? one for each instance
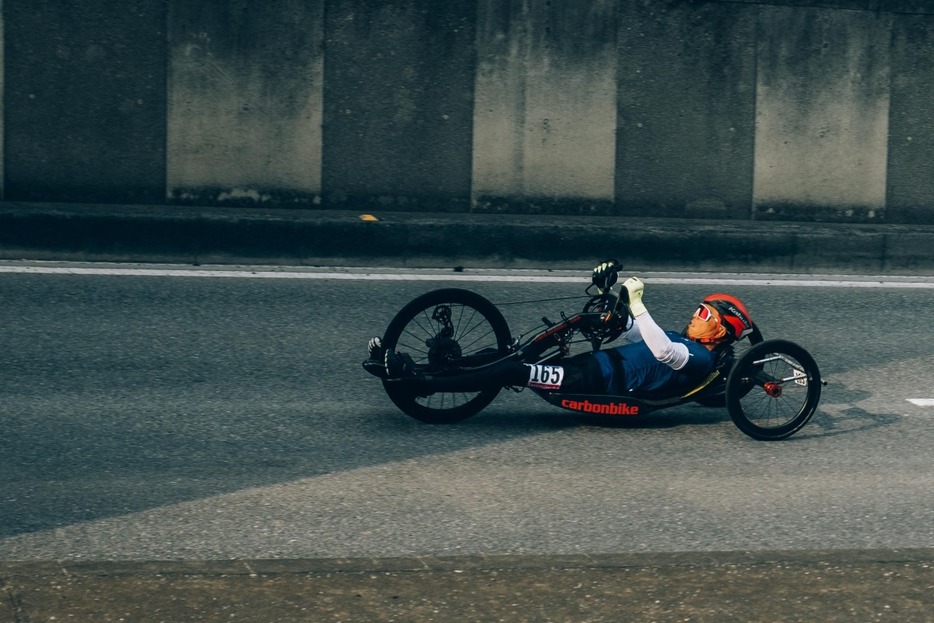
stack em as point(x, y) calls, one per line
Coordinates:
point(773, 390)
point(441, 330)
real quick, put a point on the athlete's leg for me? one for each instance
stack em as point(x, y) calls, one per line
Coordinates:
point(579, 374)
point(503, 374)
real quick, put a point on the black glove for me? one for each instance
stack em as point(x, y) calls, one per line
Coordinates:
point(605, 274)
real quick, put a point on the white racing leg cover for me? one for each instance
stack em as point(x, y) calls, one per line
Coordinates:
point(545, 377)
point(672, 354)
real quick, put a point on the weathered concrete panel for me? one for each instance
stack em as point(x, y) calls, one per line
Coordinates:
point(84, 101)
point(398, 103)
point(245, 100)
point(2, 73)
point(545, 114)
point(911, 122)
point(822, 113)
point(686, 109)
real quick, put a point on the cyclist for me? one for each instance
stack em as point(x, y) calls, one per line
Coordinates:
point(652, 361)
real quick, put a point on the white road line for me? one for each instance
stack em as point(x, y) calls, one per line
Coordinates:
point(922, 402)
point(517, 276)
point(363, 275)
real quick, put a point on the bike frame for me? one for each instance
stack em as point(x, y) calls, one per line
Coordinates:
point(612, 405)
point(472, 380)
point(537, 349)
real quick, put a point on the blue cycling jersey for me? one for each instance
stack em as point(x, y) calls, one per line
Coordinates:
point(642, 372)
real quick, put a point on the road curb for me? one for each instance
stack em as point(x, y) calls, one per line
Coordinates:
point(696, 586)
point(229, 235)
point(431, 564)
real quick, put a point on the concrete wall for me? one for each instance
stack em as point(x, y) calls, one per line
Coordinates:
point(2, 106)
point(686, 109)
point(84, 100)
point(245, 96)
point(545, 105)
point(766, 109)
point(398, 103)
point(822, 110)
point(910, 165)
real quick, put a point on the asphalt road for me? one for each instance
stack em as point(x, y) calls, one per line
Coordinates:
point(214, 418)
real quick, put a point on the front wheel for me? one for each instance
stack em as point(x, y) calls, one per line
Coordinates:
point(439, 330)
point(773, 390)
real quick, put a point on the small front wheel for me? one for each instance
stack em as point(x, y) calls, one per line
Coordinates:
point(773, 390)
point(440, 330)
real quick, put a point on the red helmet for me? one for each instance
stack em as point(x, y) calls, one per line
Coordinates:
point(734, 316)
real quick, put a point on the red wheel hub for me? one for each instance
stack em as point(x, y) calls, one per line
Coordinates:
point(773, 389)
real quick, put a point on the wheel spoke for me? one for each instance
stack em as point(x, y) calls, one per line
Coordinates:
point(436, 330)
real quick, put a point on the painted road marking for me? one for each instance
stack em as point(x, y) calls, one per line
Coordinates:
point(297, 273)
point(516, 276)
point(922, 402)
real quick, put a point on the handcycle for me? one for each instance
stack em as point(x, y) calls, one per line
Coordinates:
point(770, 388)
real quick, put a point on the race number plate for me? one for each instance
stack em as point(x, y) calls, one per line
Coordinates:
point(546, 377)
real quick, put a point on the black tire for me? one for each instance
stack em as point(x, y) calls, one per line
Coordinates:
point(739, 349)
point(478, 326)
point(773, 390)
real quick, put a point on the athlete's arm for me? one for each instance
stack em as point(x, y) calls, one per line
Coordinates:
point(632, 332)
point(673, 354)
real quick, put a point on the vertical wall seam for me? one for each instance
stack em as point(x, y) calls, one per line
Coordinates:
point(166, 22)
point(2, 104)
point(524, 37)
point(888, 121)
point(755, 110)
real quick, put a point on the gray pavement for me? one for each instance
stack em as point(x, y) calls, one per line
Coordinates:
point(826, 586)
